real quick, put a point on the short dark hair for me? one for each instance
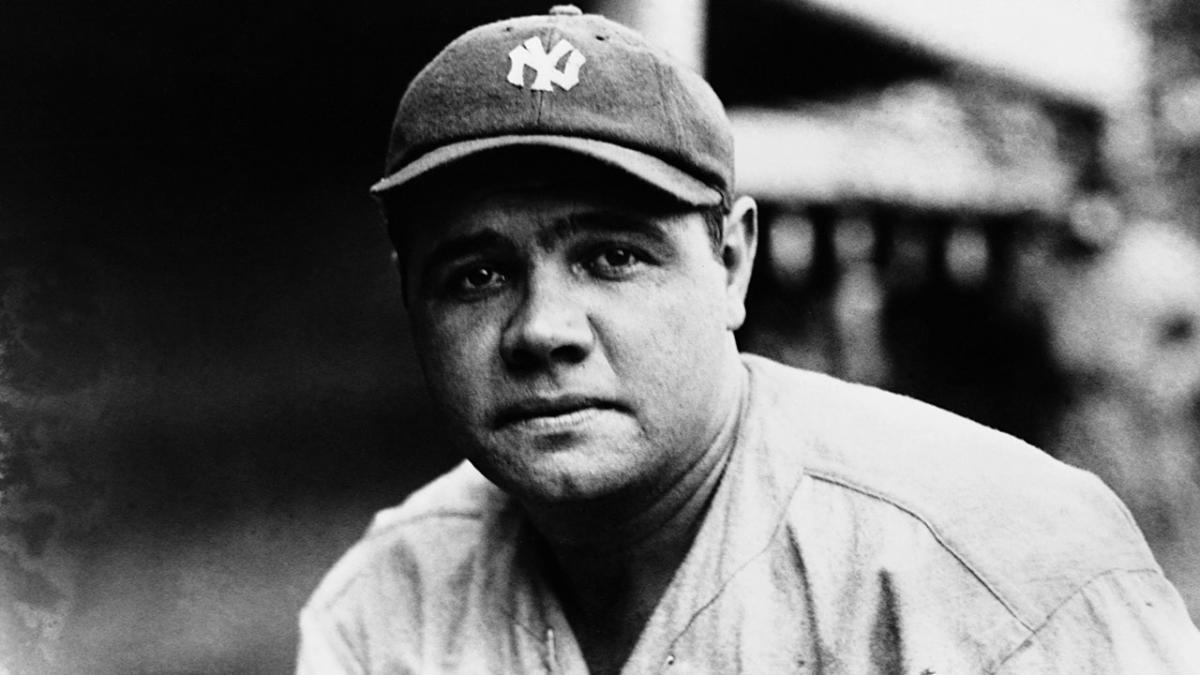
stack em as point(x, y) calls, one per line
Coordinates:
point(714, 223)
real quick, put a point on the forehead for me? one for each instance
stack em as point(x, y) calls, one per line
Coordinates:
point(542, 213)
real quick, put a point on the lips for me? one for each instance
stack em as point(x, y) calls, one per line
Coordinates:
point(565, 408)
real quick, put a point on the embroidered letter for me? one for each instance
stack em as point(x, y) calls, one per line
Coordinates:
point(531, 54)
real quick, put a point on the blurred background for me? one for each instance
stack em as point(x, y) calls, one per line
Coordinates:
point(206, 383)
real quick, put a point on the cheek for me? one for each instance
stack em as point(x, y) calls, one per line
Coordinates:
point(453, 356)
point(680, 337)
point(694, 312)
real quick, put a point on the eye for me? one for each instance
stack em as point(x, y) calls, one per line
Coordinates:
point(477, 278)
point(618, 257)
point(614, 261)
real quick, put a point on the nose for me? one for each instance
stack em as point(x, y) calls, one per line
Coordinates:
point(549, 328)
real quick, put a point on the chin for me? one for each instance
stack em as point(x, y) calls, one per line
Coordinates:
point(564, 478)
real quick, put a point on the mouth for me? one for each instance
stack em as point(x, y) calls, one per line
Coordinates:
point(552, 413)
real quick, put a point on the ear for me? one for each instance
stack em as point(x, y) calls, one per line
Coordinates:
point(737, 256)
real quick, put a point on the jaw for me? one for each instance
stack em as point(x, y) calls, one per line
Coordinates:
point(603, 455)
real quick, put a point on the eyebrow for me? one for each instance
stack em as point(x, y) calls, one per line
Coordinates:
point(563, 229)
point(457, 247)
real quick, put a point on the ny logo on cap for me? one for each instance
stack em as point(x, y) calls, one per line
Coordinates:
point(531, 54)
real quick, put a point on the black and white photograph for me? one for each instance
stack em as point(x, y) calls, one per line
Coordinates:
point(626, 336)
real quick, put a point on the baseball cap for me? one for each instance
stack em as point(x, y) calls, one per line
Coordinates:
point(571, 82)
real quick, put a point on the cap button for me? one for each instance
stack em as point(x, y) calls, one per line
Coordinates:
point(565, 10)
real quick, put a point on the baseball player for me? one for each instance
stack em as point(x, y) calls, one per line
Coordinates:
point(637, 496)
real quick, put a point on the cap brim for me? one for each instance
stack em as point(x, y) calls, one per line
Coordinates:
point(647, 168)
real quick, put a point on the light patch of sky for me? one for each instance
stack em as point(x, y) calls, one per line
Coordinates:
point(1086, 49)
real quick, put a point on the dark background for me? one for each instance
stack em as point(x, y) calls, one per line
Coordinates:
point(209, 376)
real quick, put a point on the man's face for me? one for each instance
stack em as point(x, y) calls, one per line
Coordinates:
point(580, 347)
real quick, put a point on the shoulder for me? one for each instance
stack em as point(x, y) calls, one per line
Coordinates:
point(1029, 528)
point(433, 532)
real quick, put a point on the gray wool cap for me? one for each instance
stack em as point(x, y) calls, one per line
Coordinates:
point(572, 81)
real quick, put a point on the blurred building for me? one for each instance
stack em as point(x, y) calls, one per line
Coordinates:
point(1174, 96)
point(908, 155)
point(955, 199)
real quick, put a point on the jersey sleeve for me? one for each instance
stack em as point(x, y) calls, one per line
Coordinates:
point(1120, 622)
point(324, 647)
